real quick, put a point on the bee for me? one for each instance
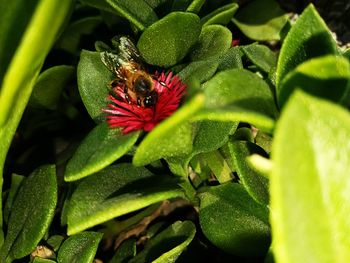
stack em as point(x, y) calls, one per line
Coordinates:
point(130, 74)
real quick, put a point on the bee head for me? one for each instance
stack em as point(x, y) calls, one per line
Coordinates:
point(150, 100)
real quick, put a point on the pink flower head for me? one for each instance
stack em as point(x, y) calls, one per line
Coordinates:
point(131, 117)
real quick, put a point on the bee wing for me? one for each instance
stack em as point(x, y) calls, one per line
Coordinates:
point(126, 48)
point(113, 62)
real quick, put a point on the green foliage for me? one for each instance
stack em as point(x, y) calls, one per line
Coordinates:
point(79, 248)
point(233, 221)
point(99, 149)
point(167, 41)
point(261, 20)
point(310, 184)
point(25, 229)
point(195, 188)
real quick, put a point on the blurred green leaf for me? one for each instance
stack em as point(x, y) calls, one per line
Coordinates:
point(263, 57)
point(115, 191)
point(93, 80)
point(195, 6)
point(55, 241)
point(49, 86)
point(327, 77)
point(42, 260)
point(240, 88)
point(31, 214)
point(80, 248)
point(233, 221)
point(310, 182)
point(213, 41)
point(71, 37)
point(167, 41)
point(255, 183)
point(308, 38)
point(172, 137)
point(21, 74)
point(261, 20)
point(222, 15)
point(15, 17)
point(167, 245)
point(101, 147)
point(347, 54)
point(137, 12)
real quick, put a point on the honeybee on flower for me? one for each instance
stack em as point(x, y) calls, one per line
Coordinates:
point(138, 100)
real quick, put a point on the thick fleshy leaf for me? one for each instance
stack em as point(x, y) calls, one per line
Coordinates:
point(263, 57)
point(347, 54)
point(80, 248)
point(16, 181)
point(172, 137)
point(308, 38)
point(137, 12)
point(261, 20)
point(237, 114)
point(101, 147)
point(231, 59)
point(93, 79)
point(222, 15)
point(327, 77)
point(31, 213)
point(71, 37)
point(255, 184)
point(195, 6)
point(168, 245)
point(309, 184)
point(201, 70)
point(233, 221)
point(240, 88)
point(167, 41)
point(213, 41)
point(49, 86)
point(43, 260)
point(115, 191)
point(210, 136)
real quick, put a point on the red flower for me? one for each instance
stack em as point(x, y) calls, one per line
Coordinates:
point(132, 117)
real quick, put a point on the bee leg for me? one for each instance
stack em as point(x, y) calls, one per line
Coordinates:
point(138, 101)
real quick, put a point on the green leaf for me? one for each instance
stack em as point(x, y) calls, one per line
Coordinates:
point(125, 252)
point(195, 6)
point(42, 260)
point(231, 59)
point(93, 79)
point(236, 114)
point(255, 183)
point(172, 137)
point(347, 54)
point(80, 248)
point(240, 88)
point(21, 74)
point(73, 34)
point(49, 86)
point(166, 42)
point(201, 70)
point(101, 147)
point(213, 41)
point(309, 182)
point(308, 38)
point(115, 191)
point(137, 12)
point(55, 242)
point(261, 56)
point(327, 77)
point(16, 181)
point(261, 20)
point(233, 221)
point(31, 213)
point(222, 15)
point(12, 28)
point(168, 245)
